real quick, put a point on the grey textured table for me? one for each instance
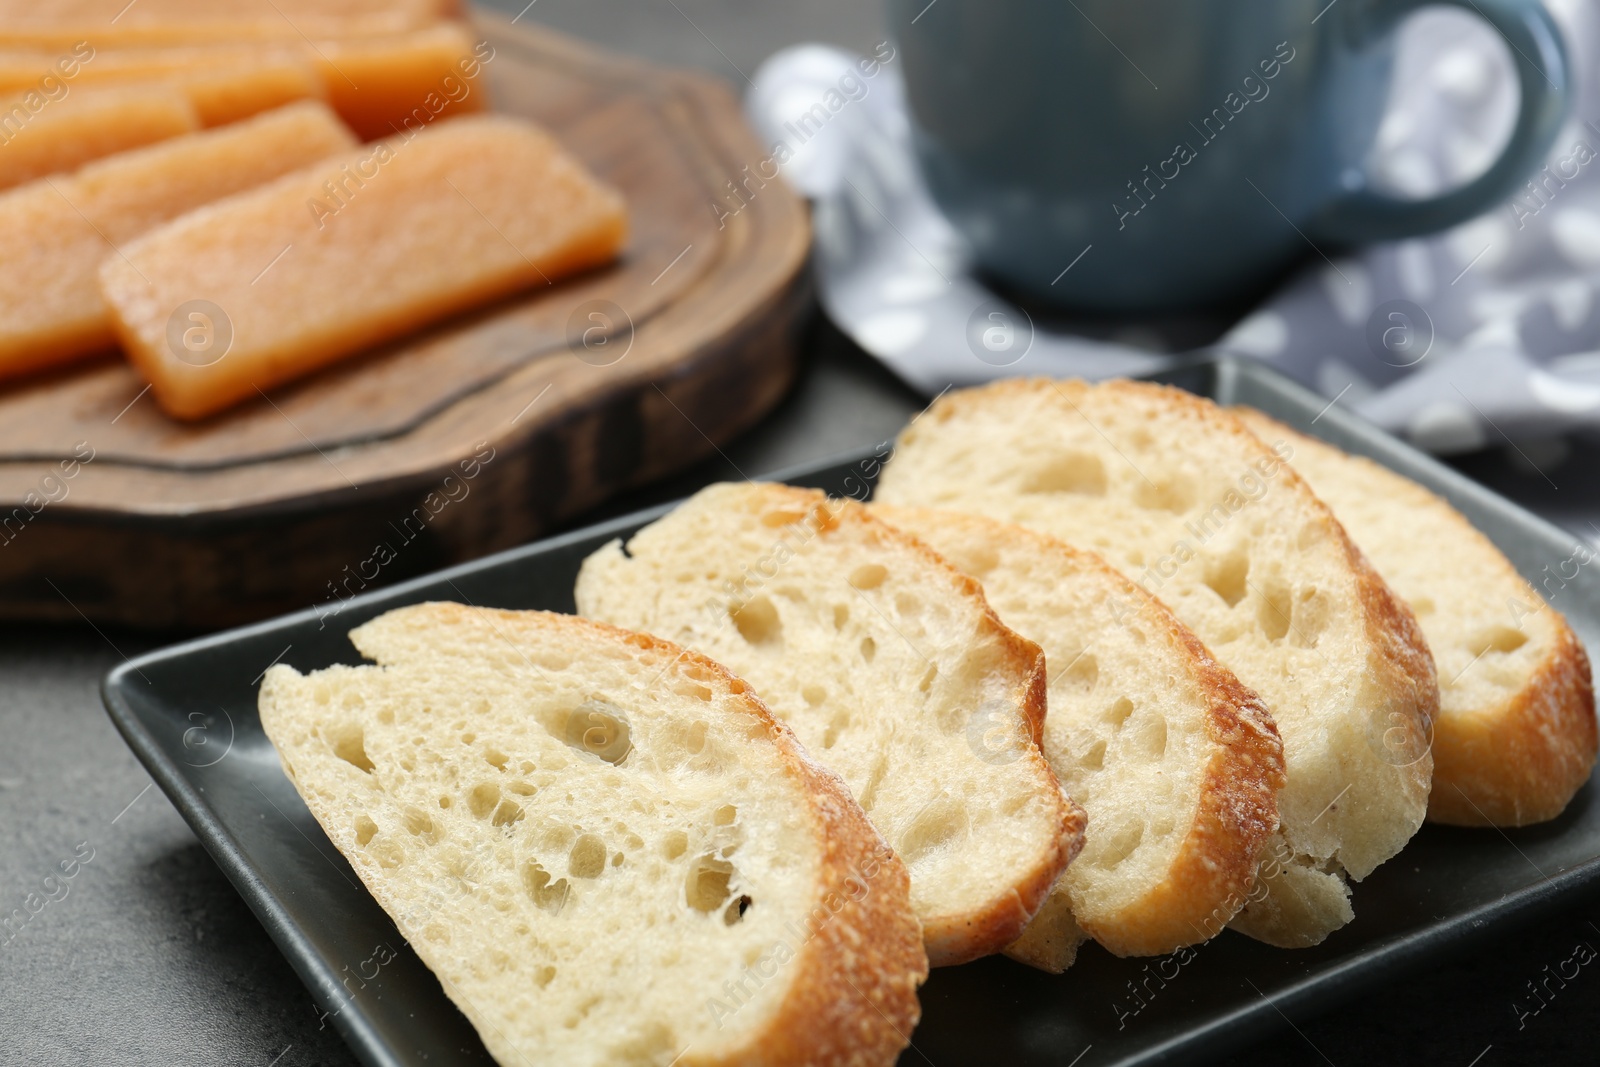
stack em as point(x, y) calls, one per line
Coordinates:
point(147, 956)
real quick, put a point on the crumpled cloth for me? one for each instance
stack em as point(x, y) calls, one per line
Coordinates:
point(1476, 336)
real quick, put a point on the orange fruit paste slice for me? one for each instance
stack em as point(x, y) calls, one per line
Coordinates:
point(353, 251)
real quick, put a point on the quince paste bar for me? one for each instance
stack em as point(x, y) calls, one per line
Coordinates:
point(43, 134)
point(376, 84)
point(349, 253)
point(55, 232)
point(61, 23)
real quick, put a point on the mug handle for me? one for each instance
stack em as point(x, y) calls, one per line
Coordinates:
point(1364, 217)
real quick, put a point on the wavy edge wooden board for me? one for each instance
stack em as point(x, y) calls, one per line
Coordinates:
point(469, 351)
point(147, 534)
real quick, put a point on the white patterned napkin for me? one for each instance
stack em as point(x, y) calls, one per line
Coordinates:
point(1484, 333)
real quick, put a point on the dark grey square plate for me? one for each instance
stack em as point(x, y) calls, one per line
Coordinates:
point(189, 712)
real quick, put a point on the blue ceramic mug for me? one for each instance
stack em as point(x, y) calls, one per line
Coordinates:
point(1161, 155)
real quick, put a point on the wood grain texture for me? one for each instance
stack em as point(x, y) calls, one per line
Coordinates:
point(289, 500)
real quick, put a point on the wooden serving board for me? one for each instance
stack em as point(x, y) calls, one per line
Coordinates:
point(472, 437)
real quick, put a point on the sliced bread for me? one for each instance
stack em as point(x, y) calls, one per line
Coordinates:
point(1176, 763)
point(1183, 499)
point(1516, 736)
point(603, 845)
point(891, 668)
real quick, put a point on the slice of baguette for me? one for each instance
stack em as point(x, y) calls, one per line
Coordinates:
point(603, 845)
point(1176, 763)
point(1516, 736)
point(1182, 498)
point(889, 665)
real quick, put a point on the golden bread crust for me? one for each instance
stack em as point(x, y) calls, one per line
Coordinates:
point(854, 1003)
point(1238, 815)
point(959, 938)
point(853, 1000)
point(1521, 763)
point(1209, 878)
point(1387, 682)
point(1520, 760)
